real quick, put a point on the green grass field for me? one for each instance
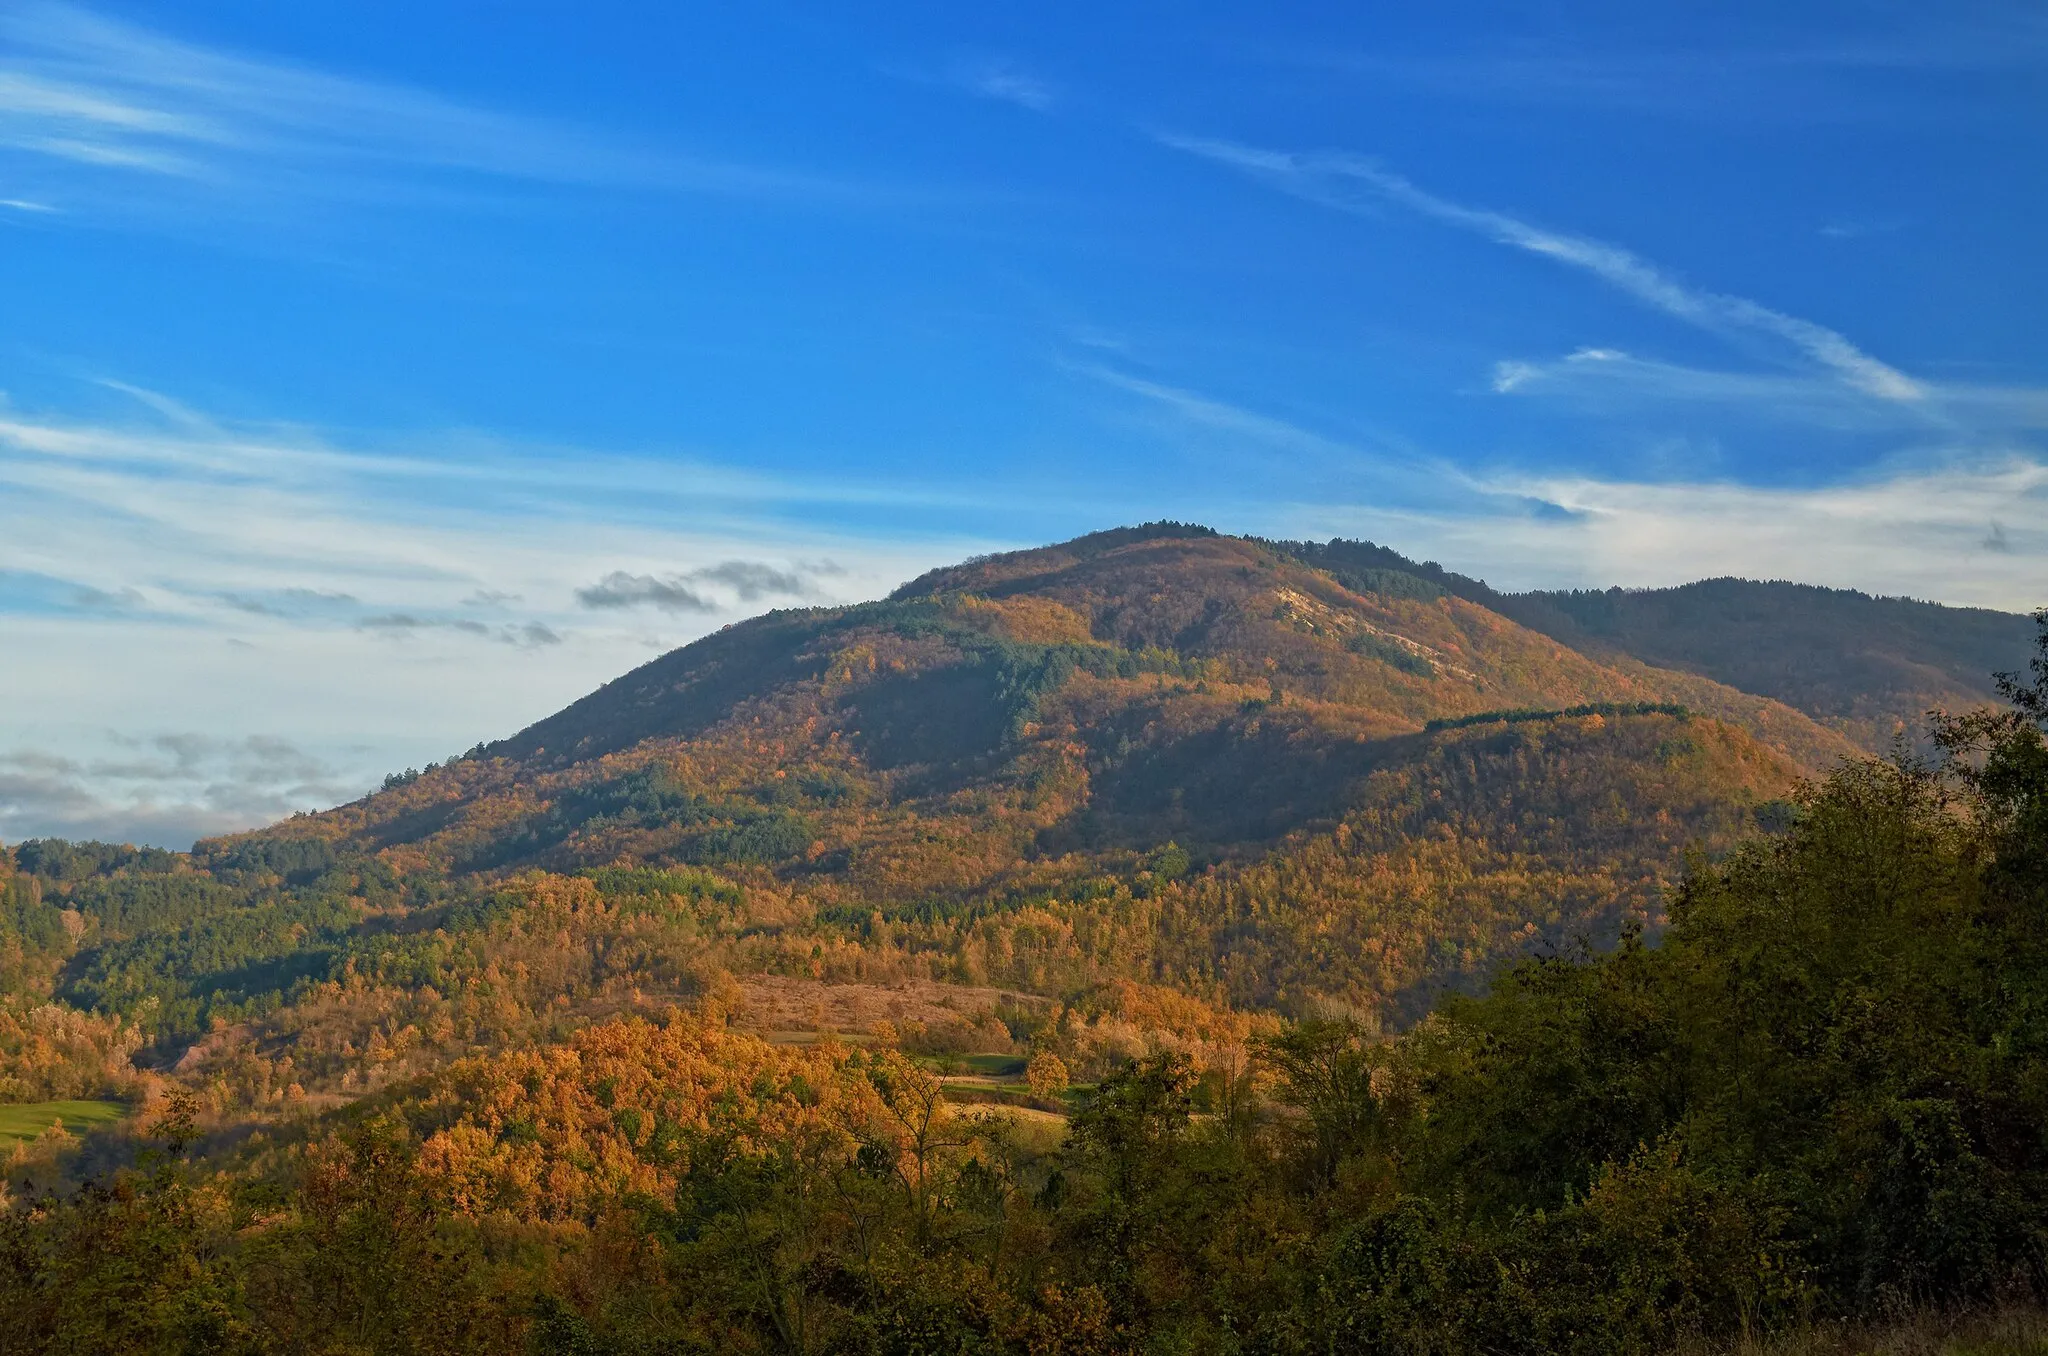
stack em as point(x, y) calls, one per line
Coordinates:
point(27, 1120)
point(996, 1066)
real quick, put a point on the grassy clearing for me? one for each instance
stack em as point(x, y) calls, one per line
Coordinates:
point(996, 1066)
point(24, 1121)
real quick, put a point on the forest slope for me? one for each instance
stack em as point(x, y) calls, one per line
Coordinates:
point(1158, 757)
point(1860, 665)
point(1009, 722)
point(1818, 1099)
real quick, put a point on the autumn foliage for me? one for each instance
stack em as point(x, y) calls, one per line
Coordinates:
point(1161, 942)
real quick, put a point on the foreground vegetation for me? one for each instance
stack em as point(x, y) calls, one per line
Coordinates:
point(1821, 1097)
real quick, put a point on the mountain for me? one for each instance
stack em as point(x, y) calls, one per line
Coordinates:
point(1863, 666)
point(673, 1022)
point(1038, 713)
point(1246, 775)
point(1157, 755)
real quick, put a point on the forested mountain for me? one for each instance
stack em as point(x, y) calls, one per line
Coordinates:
point(679, 992)
point(1271, 778)
point(1860, 665)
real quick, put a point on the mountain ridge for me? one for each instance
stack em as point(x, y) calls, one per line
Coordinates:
point(1159, 755)
point(1772, 638)
point(1193, 612)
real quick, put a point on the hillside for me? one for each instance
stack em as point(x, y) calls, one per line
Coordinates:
point(1014, 727)
point(1153, 757)
point(1267, 778)
point(955, 967)
point(1809, 1118)
point(1859, 665)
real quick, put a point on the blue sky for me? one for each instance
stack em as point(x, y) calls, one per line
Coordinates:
point(379, 377)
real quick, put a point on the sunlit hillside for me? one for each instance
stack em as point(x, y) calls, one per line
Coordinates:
point(849, 971)
point(1865, 667)
point(1155, 757)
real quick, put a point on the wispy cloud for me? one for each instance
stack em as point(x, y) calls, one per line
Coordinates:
point(290, 603)
point(1955, 530)
point(525, 635)
point(33, 591)
point(1603, 379)
point(1859, 230)
point(1004, 82)
point(1954, 526)
point(1917, 530)
point(1722, 70)
point(1606, 379)
point(1268, 437)
point(1336, 179)
point(1221, 415)
point(99, 94)
point(197, 521)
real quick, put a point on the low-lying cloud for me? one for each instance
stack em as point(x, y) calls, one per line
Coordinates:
point(753, 580)
point(749, 581)
point(523, 634)
point(619, 589)
point(165, 790)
